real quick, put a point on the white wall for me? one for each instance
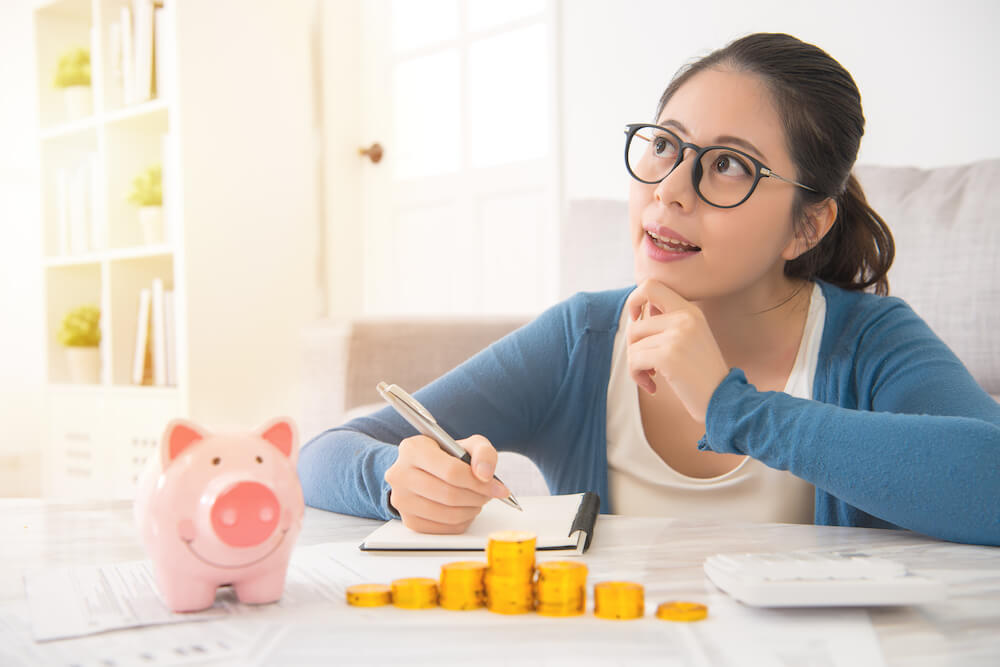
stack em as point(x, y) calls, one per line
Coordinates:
point(20, 248)
point(927, 71)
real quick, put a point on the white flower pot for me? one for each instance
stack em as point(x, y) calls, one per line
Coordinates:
point(78, 102)
point(151, 221)
point(84, 364)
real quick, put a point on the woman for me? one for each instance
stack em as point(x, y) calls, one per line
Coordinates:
point(750, 374)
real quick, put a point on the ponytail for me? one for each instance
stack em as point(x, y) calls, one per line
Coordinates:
point(857, 251)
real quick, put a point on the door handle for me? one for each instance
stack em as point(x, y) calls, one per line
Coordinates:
point(374, 152)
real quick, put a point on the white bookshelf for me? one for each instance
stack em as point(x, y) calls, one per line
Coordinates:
point(234, 132)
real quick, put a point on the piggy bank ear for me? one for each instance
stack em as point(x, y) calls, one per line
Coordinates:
point(179, 435)
point(281, 433)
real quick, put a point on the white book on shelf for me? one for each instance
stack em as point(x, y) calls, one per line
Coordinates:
point(158, 335)
point(62, 211)
point(170, 326)
point(141, 337)
point(128, 62)
point(94, 214)
point(78, 237)
point(143, 44)
point(83, 203)
point(162, 75)
point(115, 56)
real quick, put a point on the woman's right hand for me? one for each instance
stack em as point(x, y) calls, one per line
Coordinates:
point(434, 492)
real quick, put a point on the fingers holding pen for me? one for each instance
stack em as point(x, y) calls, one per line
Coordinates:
point(435, 492)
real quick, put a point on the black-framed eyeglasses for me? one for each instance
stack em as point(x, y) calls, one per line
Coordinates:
point(722, 176)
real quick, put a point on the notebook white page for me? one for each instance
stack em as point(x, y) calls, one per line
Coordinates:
point(548, 517)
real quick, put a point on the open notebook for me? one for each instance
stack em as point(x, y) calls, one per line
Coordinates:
point(562, 523)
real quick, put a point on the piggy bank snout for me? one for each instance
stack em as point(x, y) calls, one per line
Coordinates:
point(245, 514)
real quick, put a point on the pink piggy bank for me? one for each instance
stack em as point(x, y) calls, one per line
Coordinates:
point(218, 509)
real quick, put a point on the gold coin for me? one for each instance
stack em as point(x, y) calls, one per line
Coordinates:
point(472, 568)
point(369, 595)
point(511, 596)
point(461, 603)
point(522, 570)
point(462, 585)
point(560, 593)
point(682, 611)
point(519, 579)
point(511, 552)
point(415, 593)
point(513, 537)
point(457, 599)
point(621, 600)
point(569, 597)
point(464, 573)
point(510, 578)
point(510, 606)
point(562, 570)
point(508, 598)
point(561, 589)
point(560, 609)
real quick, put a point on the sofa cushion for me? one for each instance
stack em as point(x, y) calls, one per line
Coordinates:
point(946, 225)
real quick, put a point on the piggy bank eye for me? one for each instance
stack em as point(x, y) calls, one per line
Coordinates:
point(260, 460)
point(216, 461)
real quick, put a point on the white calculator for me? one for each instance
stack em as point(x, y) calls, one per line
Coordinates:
point(819, 580)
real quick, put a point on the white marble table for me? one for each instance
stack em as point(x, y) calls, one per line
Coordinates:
point(665, 556)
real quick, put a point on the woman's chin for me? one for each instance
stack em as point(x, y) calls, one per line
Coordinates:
point(684, 289)
point(643, 271)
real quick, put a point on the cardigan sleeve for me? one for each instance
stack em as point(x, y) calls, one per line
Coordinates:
point(918, 446)
point(504, 393)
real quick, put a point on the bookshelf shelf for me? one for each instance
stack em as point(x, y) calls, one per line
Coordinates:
point(132, 391)
point(71, 390)
point(228, 200)
point(116, 255)
point(70, 129)
point(75, 260)
point(127, 114)
point(139, 252)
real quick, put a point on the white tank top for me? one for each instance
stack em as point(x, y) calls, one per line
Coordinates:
point(641, 483)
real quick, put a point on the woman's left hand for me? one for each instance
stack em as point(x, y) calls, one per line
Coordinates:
point(674, 343)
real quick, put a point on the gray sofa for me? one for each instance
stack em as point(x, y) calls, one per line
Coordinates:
point(946, 223)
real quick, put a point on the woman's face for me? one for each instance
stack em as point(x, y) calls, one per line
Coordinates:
point(741, 250)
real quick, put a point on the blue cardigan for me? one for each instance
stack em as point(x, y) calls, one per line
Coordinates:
point(899, 434)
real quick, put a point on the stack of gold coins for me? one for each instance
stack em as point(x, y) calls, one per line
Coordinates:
point(369, 595)
point(684, 612)
point(510, 578)
point(561, 589)
point(463, 585)
point(619, 600)
point(415, 593)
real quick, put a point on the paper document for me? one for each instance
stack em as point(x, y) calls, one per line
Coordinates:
point(76, 601)
point(313, 624)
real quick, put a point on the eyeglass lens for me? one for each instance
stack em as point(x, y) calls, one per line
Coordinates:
point(726, 176)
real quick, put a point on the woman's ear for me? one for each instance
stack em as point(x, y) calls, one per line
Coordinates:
point(821, 217)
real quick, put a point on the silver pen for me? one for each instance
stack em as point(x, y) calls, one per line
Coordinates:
point(417, 415)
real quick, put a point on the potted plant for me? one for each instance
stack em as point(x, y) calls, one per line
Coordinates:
point(73, 78)
point(80, 333)
point(147, 194)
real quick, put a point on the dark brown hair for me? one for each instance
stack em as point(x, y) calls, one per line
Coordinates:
point(820, 108)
